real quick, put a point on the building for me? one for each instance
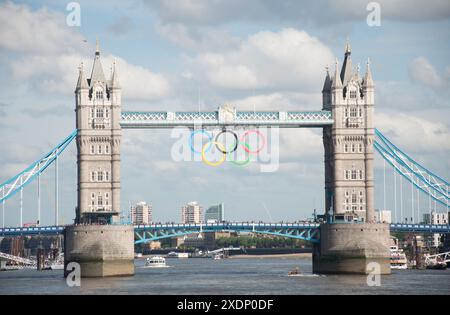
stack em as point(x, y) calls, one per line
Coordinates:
point(191, 213)
point(194, 241)
point(98, 112)
point(212, 237)
point(348, 143)
point(215, 213)
point(384, 216)
point(141, 213)
point(434, 240)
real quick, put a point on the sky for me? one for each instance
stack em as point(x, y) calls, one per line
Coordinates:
point(190, 54)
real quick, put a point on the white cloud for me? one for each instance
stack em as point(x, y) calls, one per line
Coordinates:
point(422, 71)
point(48, 52)
point(267, 60)
point(414, 134)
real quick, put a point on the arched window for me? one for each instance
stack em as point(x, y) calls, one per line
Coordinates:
point(107, 176)
point(92, 177)
point(346, 148)
point(99, 113)
point(107, 113)
point(107, 149)
point(100, 176)
point(99, 94)
point(99, 149)
point(92, 149)
point(360, 147)
point(360, 174)
point(353, 148)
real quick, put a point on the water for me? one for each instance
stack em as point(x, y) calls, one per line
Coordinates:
point(228, 276)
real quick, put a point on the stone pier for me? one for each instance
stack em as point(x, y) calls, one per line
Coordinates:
point(101, 250)
point(347, 248)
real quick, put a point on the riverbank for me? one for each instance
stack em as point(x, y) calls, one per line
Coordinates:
point(275, 256)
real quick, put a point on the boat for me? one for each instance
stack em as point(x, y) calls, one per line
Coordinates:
point(156, 262)
point(294, 272)
point(138, 255)
point(398, 258)
point(217, 257)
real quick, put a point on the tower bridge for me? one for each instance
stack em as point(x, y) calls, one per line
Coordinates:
point(346, 242)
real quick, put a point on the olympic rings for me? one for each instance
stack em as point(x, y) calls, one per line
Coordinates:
point(247, 160)
point(214, 141)
point(236, 141)
point(260, 135)
point(202, 131)
point(221, 146)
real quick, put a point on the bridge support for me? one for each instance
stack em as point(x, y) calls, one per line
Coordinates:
point(349, 249)
point(101, 251)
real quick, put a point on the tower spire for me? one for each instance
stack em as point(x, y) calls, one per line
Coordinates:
point(114, 76)
point(97, 47)
point(337, 83)
point(347, 70)
point(82, 82)
point(368, 81)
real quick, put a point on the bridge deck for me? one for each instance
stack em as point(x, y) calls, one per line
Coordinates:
point(158, 120)
point(54, 230)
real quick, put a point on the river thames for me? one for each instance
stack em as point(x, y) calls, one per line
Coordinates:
point(228, 276)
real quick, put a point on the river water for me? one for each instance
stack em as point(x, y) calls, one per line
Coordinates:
point(227, 276)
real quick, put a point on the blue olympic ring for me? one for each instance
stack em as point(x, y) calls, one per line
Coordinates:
point(202, 131)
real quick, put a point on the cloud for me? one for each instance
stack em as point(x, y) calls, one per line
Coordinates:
point(414, 134)
point(266, 60)
point(422, 71)
point(47, 53)
point(321, 12)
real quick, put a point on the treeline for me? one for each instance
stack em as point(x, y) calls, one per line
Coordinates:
point(260, 242)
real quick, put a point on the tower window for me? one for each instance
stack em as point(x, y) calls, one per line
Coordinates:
point(99, 149)
point(107, 113)
point(353, 174)
point(100, 200)
point(346, 148)
point(353, 148)
point(99, 113)
point(352, 94)
point(353, 112)
point(99, 95)
point(107, 176)
point(92, 149)
point(100, 176)
point(92, 177)
point(360, 148)
point(107, 149)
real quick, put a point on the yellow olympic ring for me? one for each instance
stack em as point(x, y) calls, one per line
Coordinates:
point(221, 148)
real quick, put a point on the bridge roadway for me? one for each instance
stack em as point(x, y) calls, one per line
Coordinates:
point(146, 233)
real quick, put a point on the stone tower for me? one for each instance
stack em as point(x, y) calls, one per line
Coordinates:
point(362, 245)
point(348, 143)
point(98, 114)
point(100, 248)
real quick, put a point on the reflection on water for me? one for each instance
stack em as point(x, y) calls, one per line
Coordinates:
point(227, 276)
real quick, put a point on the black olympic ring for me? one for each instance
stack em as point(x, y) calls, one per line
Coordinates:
point(236, 141)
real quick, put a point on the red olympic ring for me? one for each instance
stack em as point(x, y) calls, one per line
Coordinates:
point(259, 135)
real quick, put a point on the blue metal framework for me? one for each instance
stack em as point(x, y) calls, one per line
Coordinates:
point(146, 233)
point(423, 179)
point(302, 231)
point(19, 181)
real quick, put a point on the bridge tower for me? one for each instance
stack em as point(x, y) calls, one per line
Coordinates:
point(350, 239)
point(98, 111)
point(97, 242)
